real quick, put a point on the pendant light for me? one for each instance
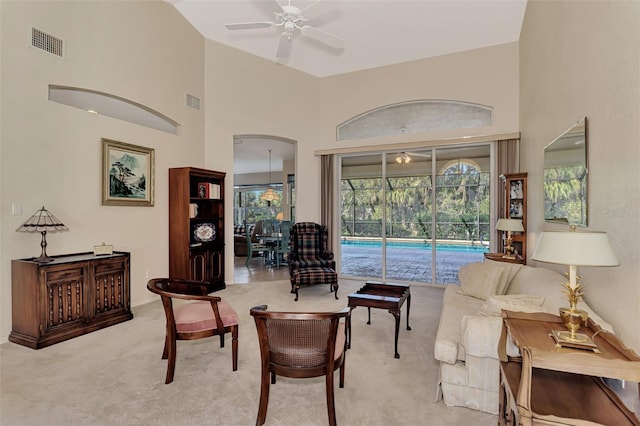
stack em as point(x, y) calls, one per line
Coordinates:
point(269, 195)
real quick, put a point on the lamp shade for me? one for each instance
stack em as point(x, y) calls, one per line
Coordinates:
point(575, 248)
point(42, 220)
point(511, 225)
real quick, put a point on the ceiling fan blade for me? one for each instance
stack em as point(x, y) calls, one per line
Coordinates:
point(249, 25)
point(322, 36)
point(418, 154)
point(284, 47)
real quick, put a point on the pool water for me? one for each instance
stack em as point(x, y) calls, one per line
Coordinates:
point(418, 245)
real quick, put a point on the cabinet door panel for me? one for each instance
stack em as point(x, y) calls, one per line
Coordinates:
point(110, 288)
point(63, 297)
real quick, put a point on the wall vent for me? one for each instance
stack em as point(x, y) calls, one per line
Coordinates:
point(193, 102)
point(47, 42)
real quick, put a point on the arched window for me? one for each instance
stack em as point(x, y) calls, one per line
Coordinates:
point(415, 117)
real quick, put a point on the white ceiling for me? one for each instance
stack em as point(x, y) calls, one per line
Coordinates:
point(251, 154)
point(376, 33)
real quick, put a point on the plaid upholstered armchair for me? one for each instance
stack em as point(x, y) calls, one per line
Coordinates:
point(310, 261)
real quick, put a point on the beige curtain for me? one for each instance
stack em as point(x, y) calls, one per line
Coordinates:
point(327, 196)
point(508, 161)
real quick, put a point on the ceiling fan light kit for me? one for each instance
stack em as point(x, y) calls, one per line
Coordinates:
point(290, 18)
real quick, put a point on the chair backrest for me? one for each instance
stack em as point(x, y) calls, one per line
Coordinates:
point(270, 226)
point(285, 229)
point(173, 288)
point(309, 240)
point(300, 341)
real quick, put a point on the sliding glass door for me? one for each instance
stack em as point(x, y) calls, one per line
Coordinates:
point(414, 216)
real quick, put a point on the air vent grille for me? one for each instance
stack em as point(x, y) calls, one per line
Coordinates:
point(47, 42)
point(193, 102)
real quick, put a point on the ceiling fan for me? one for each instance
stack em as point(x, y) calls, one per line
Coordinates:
point(404, 157)
point(291, 18)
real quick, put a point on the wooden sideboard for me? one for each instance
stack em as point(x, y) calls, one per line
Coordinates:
point(72, 295)
point(554, 385)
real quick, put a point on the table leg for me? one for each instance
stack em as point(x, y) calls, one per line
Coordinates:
point(369, 310)
point(396, 315)
point(408, 309)
point(349, 330)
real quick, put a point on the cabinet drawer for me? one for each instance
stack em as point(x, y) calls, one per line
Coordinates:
point(59, 274)
point(109, 267)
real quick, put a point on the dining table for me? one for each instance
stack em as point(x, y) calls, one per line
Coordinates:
point(272, 241)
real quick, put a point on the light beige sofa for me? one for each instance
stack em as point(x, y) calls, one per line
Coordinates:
point(470, 325)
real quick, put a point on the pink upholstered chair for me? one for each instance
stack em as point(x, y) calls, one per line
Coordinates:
point(205, 316)
point(300, 345)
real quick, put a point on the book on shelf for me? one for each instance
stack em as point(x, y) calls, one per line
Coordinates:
point(208, 190)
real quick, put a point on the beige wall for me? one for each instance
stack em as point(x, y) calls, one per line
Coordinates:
point(582, 59)
point(51, 153)
point(248, 95)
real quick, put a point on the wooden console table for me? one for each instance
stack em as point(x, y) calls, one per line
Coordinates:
point(559, 385)
point(72, 295)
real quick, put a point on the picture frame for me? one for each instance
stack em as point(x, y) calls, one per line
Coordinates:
point(127, 174)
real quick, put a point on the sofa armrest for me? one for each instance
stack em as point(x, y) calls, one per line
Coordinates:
point(480, 335)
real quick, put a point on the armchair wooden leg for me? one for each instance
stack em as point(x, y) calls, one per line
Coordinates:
point(331, 408)
point(234, 347)
point(264, 398)
point(171, 365)
point(165, 351)
point(222, 340)
point(342, 373)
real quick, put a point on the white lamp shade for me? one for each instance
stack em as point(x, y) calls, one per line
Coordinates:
point(511, 225)
point(575, 248)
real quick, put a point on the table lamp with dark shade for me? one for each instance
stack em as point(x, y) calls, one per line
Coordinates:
point(42, 221)
point(574, 249)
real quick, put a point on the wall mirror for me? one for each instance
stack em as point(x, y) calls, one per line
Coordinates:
point(565, 177)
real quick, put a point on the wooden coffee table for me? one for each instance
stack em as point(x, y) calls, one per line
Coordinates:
point(383, 296)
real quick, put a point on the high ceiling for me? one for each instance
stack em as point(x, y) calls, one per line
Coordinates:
point(375, 33)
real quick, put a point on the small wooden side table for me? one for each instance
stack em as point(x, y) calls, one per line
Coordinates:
point(560, 385)
point(383, 296)
point(500, 257)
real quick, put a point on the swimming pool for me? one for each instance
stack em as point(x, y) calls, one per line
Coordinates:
point(417, 245)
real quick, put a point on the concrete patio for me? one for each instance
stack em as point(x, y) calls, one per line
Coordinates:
point(404, 264)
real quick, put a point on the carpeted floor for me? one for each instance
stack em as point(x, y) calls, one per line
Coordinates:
point(115, 376)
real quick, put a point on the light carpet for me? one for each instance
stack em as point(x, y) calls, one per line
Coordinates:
point(115, 376)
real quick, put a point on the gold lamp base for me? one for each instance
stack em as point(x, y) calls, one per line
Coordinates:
point(573, 319)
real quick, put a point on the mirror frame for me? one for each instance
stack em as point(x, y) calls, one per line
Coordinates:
point(576, 187)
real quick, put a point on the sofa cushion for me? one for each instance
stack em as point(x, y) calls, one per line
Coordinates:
point(480, 280)
point(510, 269)
point(494, 305)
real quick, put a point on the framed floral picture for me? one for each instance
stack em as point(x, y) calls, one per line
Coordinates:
point(127, 174)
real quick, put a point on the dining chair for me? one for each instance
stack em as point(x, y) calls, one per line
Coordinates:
point(300, 345)
point(282, 247)
point(253, 244)
point(204, 316)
